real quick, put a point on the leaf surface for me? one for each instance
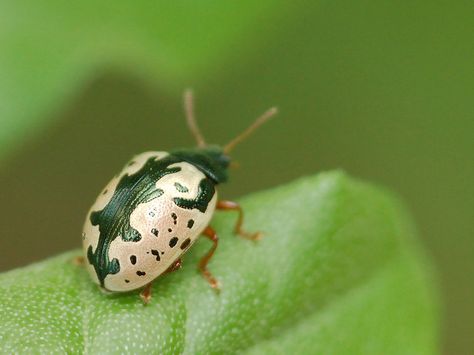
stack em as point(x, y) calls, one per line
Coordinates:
point(338, 271)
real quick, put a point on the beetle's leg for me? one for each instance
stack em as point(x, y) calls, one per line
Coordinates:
point(145, 295)
point(234, 206)
point(78, 260)
point(211, 234)
point(174, 267)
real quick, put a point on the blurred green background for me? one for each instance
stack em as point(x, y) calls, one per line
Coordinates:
point(383, 90)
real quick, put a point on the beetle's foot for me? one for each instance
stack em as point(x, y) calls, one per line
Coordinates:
point(213, 282)
point(251, 236)
point(78, 261)
point(145, 298)
point(145, 295)
point(234, 206)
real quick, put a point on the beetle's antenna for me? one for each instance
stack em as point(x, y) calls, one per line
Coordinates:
point(257, 123)
point(188, 101)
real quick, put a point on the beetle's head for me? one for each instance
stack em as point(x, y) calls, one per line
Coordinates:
point(212, 159)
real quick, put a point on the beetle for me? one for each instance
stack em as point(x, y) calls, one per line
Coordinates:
point(152, 212)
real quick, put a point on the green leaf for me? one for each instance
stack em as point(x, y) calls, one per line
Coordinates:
point(49, 49)
point(338, 271)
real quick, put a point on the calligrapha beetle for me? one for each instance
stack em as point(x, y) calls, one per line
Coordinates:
point(152, 212)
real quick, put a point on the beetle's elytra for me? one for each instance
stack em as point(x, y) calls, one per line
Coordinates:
point(153, 211)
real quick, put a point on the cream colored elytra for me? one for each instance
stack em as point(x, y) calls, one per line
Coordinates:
point(143, 261)
point(155, 209)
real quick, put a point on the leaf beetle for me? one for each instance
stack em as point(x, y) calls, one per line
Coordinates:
point(153, 211)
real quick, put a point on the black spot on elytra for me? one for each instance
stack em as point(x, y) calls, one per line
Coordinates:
point(151, 214)
point(190, 223)
point(127, 281)
point(105, 191)
point(155, 232)
point(141, 273)
point(170, 230)
point(185, 244)
point(180, 188)
point(173, 242)
point(133, 259)
point(131, 163)
point(175, 217)
point(156, 253)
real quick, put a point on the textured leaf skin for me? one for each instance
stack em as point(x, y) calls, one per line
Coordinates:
point(338, 272)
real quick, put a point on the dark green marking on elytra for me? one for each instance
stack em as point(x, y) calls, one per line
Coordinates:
point(180, 188)
point(114, 219)
point(205, 193)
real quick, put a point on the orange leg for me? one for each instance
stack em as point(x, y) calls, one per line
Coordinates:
point(174, 267)
point(234, 206)
point(211, 234)
point(78, 260)
point(145, 295)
